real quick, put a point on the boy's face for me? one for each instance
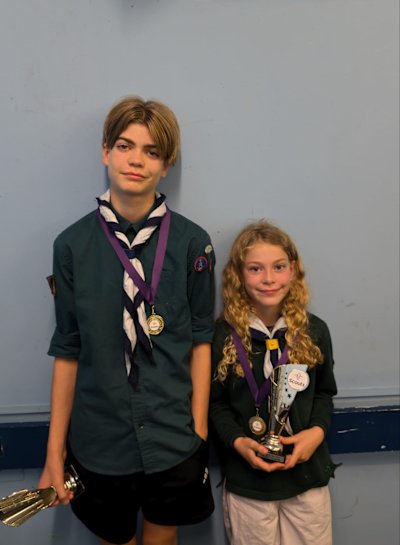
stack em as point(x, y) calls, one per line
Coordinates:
point(134, 164)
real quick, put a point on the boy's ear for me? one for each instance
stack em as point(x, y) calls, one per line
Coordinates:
point(165, 169)
point(105, 152)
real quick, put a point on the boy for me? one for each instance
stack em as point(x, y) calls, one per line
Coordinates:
point(133, 288)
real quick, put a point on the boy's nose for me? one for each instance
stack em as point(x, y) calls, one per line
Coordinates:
point(135, 157)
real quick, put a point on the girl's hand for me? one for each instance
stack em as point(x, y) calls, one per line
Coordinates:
point(248, 449)
point(53, 475)
point(305, 444)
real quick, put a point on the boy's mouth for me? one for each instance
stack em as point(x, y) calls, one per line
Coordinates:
point(134, 175)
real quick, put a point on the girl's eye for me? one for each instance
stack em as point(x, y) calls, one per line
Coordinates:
point(253, 268)
point(280, 267)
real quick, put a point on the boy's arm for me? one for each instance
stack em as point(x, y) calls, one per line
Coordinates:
point(200, 368)
point(62, 395)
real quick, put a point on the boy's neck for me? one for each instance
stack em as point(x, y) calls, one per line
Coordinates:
point(132, 208)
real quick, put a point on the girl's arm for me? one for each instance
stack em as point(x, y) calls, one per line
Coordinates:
point(200, 368)
point(222, 415)
point(307, 441)
point(305, 444)
point(325, 384)
point(62, 395)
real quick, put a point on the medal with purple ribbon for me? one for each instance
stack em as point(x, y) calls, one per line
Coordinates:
point(155, 322)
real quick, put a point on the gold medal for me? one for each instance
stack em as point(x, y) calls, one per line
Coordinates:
point(155, 323)
point(257, 425)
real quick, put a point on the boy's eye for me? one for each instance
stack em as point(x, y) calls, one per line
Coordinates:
point(154, 153)
point(122, 146)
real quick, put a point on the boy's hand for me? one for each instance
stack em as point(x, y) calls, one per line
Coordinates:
point(201, 431)
point(53, 475)
point(248, 449)
point(305, 444)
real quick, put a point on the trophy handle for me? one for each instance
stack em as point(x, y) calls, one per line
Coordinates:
point(72, 481)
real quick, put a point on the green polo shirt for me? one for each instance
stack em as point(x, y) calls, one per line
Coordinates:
point(115, 429)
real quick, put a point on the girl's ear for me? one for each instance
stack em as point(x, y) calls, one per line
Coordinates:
point(293, 270)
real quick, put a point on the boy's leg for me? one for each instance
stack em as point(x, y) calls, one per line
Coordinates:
point(177, 496)
point(132, 542)
point(155, 534)
point(109, 505)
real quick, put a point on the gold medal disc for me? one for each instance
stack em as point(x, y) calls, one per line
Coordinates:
point(257, 425)
point(155, 323)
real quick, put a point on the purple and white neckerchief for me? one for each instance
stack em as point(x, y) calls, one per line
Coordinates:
point(135, 288)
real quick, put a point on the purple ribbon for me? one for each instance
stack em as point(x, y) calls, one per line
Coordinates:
point(148, 292)
point(259, 394)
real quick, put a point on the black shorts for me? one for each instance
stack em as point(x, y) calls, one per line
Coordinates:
point(178, 496)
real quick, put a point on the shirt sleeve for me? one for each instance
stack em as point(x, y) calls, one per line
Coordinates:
point(325, 384)
point(201, 288)
point(66, 342)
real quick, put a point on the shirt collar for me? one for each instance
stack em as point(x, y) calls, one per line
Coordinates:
point(126, 224)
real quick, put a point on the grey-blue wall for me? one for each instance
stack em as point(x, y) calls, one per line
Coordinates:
point(365, 505)
point(288, 110)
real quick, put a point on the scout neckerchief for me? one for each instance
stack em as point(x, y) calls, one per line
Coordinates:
point(271, 337)
point(137, 328)
point(256, 423)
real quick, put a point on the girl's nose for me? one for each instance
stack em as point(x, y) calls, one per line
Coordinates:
point(268, 277)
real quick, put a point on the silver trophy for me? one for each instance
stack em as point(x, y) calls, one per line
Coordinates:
point(20, 506)
point(286, 381)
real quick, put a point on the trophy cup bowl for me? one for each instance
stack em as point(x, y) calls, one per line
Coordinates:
point(286, 381)
point(20, 506)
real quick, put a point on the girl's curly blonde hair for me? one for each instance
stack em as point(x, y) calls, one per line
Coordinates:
point(238, 305)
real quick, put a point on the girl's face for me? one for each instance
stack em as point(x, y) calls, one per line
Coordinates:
point(267, 276)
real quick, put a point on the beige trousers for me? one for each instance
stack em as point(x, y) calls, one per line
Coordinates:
point(302, 520)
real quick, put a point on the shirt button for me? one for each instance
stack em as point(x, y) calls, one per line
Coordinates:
point(141, 426)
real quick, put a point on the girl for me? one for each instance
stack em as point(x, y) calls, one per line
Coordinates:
point(265, 301)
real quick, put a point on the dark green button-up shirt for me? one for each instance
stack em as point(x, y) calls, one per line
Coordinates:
point(115, 429)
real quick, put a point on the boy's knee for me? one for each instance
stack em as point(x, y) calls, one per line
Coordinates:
point(154, 534)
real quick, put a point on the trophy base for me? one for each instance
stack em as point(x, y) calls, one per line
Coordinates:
point(273, 457)
point(275, 448)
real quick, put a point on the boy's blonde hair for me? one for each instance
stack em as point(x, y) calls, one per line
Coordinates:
point(156, 116)
point(238, 306)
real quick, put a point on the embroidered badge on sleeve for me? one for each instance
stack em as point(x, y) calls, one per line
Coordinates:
point(200, 264)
